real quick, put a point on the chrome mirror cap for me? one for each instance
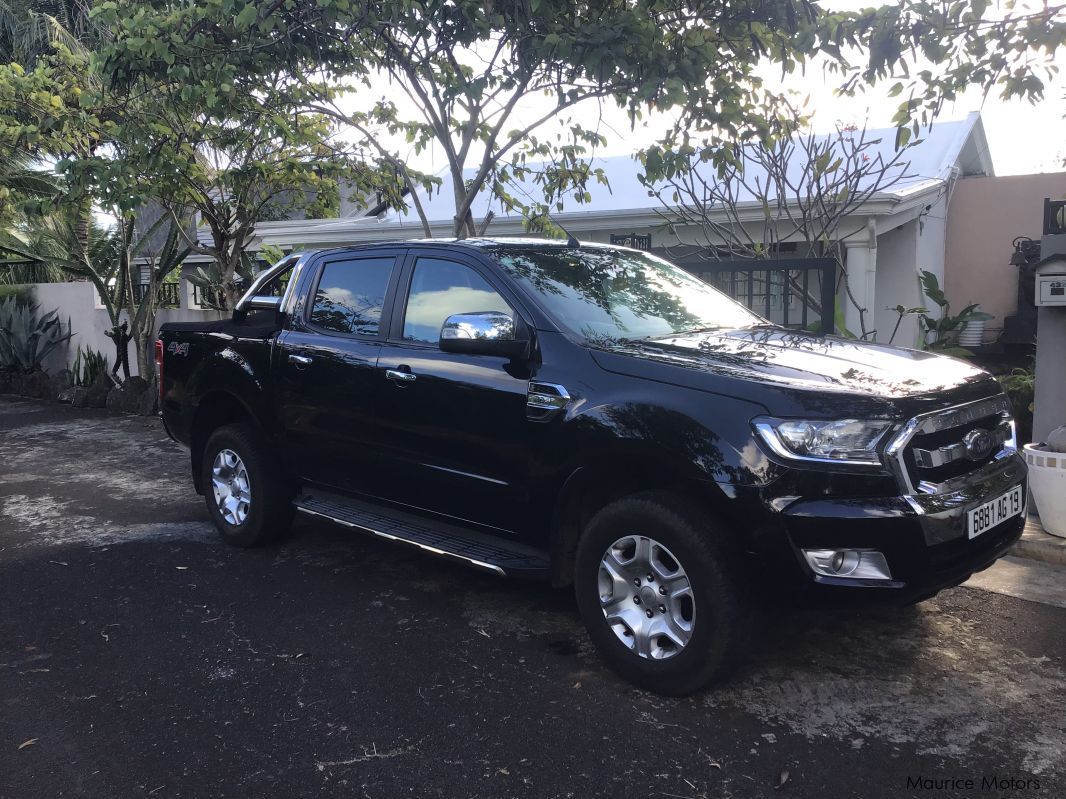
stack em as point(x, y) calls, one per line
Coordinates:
point(484, 333)
point(479, 326)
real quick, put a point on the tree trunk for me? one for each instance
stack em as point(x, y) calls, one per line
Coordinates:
point(83, 212)
point(463, 227)
point(144, 344)
point(231, 291)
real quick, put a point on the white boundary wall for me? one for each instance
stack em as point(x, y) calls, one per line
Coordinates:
point(79, 303)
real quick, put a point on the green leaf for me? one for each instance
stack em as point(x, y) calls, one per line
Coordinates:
point(247, 16)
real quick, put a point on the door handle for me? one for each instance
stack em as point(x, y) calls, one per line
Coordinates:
point(301, 361)
point(400, 376)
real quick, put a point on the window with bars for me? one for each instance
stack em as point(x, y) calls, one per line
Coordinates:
point(792, 292)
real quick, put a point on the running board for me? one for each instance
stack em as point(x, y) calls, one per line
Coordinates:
point(473, 548)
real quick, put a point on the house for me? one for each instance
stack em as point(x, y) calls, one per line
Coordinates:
point(895, 233)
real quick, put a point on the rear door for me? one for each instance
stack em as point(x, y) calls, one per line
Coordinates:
point(455, 440)
point(327, 368)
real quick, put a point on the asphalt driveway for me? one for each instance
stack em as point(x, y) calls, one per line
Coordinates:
point(140, 656)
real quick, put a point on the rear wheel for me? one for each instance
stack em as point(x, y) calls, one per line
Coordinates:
point(248, 497)
point(657, 592)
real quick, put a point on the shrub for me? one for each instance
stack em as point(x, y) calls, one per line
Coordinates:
point(26, 339)
point(89, 366)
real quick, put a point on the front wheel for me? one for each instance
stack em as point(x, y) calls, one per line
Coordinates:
point(657, 592)
point(249, 499)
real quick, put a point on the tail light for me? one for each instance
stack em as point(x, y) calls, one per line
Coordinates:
point(159, 370)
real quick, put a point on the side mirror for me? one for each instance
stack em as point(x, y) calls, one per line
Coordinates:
point(263, 303)
point(257, 303)
point(483, 333)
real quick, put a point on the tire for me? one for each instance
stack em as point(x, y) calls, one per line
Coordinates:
point(266, 512)
point(689, 539)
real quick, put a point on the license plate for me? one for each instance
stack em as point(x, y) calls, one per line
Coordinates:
point(986, 516)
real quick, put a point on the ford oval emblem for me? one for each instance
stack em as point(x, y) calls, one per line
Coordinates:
point(978, 444)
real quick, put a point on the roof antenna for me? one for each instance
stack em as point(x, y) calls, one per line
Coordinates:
point(571, 240)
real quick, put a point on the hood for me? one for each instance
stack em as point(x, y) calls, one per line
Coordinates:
point(804, 361)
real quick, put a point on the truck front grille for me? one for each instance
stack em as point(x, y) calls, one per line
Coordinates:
point(944, 445)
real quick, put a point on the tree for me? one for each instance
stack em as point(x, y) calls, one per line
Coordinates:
point(28, 29)
point(934, 50)
point(112, 263)
point(141, 300)
point(25, 193)
point(230, 150)
point(217, 129)
point(469, 69)
point(787, 185)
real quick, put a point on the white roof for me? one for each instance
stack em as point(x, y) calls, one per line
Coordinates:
point(929, 164)
point(945, 147)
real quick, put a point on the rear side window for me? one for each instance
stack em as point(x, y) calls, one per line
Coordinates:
point(350, 296)
point(440, 288)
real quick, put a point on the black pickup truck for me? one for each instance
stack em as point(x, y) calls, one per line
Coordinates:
point(599, 417)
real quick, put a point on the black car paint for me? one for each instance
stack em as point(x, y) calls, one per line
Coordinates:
point(457, 442)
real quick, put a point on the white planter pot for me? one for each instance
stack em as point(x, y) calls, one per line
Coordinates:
point(972, 334)
point(1047, 481)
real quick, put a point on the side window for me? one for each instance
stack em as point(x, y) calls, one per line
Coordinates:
point(350, 296)
point(441, 288)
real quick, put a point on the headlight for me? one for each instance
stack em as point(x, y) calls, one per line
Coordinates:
point(847, 441)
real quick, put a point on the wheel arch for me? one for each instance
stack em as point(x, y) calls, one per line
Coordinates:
point(591, 487)
point(215, 409)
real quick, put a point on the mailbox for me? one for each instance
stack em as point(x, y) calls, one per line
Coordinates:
point(1051, 281)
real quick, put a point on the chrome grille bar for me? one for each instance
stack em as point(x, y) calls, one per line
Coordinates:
point(935, 421)
point(931, 458)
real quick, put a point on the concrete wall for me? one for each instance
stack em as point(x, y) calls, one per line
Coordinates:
point(985, 215)
point(897, 283)
point(89, 321)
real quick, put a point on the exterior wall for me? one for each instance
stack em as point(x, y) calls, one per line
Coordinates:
point(985, 215)
point(897, 283)
point(932, 243)
point(78, 303)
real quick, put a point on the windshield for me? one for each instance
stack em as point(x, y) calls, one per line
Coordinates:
point(619, 295)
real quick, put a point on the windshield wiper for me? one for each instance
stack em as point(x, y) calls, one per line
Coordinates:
point(694, 331)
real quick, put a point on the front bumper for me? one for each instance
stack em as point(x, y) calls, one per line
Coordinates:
point(923, 536)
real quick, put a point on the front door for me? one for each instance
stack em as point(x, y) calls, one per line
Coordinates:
point(327, 363)
point(453, 427)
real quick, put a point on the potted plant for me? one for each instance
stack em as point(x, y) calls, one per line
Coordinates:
point(943, 333)
point(1047, 480)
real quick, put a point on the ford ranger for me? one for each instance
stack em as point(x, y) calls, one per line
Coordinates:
point(593, 416)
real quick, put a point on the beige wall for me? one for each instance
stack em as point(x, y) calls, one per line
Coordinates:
point(984, 216)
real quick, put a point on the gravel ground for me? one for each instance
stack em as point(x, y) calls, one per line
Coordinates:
point(140, 656)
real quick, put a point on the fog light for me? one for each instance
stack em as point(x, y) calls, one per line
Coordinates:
point(850, 564)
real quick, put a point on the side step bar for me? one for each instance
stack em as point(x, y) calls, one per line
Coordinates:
point(473, 548)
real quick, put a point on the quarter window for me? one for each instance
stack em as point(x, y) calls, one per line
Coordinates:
point(441, 288)
point(351, 295)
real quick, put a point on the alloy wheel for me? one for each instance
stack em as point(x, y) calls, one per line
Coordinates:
point(646, 597)
point(230, 485)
